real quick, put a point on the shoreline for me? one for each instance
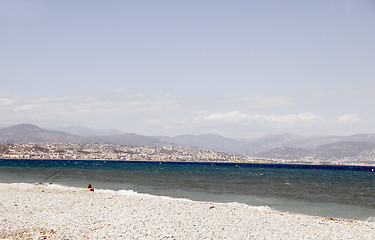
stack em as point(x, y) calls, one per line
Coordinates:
point(63, 212)
point(96, 151)
point(203, 162)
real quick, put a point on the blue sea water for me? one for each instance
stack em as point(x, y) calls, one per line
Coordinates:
point(329, 191)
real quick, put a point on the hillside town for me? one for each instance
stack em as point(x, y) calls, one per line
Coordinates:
point(95, 151)
point(76, 151)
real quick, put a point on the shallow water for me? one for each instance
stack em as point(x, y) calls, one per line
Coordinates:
point(330, 191)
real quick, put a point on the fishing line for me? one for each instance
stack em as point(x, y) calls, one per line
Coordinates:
point(53, 174)
point(57, 176)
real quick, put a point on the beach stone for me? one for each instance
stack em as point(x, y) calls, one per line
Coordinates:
point(72, 213)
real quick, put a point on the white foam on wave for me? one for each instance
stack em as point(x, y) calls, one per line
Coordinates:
point(237, 204)
point(370, 219)
point(263, 208)
point(128, 192)
point(121, 192)
point(177, 199)
point(23, 185)
point(44, 185)
point(168, 198)
point(135, 193)
point(62, 187)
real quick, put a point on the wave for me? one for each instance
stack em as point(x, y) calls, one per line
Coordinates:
point(133, 193)
point(263, 208)
point(126, 192)
point(312, 210)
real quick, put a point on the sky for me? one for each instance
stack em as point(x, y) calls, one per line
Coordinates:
point(240, 69)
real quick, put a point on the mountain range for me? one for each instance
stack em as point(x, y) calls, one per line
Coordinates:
point(285, 146)
point(29, 133)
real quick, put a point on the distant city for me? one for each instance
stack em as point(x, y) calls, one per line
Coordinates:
point(28, 141)
point(74, 151)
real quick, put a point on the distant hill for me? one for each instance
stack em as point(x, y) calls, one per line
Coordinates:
point(359, 147)
point(29, 133)
point(207, 141)
point(83, 131)
point(361, 138)
point(286, 153)
point(291, 140)
point(130, 139)
point(343, 150)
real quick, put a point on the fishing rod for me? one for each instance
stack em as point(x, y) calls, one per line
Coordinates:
point(53, 174)
point(56, 176)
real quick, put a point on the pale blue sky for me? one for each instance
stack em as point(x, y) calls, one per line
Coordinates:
point(235, 68)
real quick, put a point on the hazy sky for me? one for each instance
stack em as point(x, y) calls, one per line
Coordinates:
point(235, 68)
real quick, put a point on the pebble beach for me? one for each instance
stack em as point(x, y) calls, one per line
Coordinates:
point(53, 212)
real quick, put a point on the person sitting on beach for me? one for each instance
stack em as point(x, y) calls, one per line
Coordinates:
point(90, 187)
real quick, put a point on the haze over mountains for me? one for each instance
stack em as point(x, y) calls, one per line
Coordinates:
point(29, 133)
point(286, 146)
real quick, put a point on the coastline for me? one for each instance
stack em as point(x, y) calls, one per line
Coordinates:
point(63, 212)
point(74, 151)
point(285, 163)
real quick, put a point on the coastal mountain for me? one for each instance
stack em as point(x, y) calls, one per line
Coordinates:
point(359, 147)
point(286, 153)
point(344, 152)
point(130, 139)
point(339, 150)
point(295, 141)
point(207, 141)
point(83, 131)
point(29, 133)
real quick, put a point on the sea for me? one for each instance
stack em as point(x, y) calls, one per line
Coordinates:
point(346, 192)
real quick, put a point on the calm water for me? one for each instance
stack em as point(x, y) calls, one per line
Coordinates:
point(331, 191)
